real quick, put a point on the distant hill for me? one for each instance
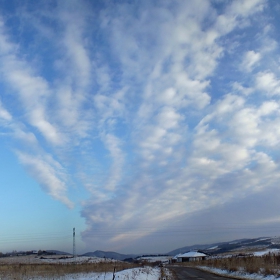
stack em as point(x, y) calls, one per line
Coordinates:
point(235, 245)
point(109, 255)
point(56, 252)
point(214, 248)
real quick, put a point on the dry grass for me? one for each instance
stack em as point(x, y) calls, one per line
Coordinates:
point(33, 271)
point(166, 274)
point(265, 265)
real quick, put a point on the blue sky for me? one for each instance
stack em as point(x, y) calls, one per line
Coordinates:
point(146, 125)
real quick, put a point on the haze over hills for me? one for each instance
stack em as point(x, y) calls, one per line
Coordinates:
point(240, 245)
point(249, 244)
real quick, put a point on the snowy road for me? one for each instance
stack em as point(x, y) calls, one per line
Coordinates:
point(188, 273)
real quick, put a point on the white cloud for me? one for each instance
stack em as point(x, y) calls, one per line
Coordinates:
point(237, 15)
point(178, 82)
point(268, 108)
point(74, 43)
point(30, 89)
point(244, 125)
point(4, 114)
point(246, 8)
point(250, 60)
point(114, 146)
point(140, 113)
point(229, 104)
point(237, 87)
point(25, 136)
point(168, 118)
point(268, 83)
point(49, 174)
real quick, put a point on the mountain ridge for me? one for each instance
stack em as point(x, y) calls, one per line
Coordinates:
point(234, 245)
point(109, 254)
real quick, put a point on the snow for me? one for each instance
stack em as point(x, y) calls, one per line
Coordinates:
point(163, 259)
point(82, 259)
point(191, 255)
point(143, 273)
point(239, 274)
point(212, 248)
point(262, 239)
point(266, 252)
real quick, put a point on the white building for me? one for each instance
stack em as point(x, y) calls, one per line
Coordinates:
point(190, 256)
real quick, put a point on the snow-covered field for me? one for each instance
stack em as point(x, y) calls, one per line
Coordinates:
point(240, 274)
point(266, 252)
point(256, 254)
point(145, 273)
point(52, 259)
point(163, 259)
point(140, 273)
point(76, 260)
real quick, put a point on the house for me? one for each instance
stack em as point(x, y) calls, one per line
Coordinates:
point(190, 256)
point(173, 260)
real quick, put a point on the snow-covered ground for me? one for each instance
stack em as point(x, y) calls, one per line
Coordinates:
point(143, 273)
point(53, 259)
point(266, 252)
point(256, 254)
point(240, 274)
point(212, 248)
point(163, 259)
point(82, 259)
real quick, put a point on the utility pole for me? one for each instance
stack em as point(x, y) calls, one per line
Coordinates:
point(74, 245)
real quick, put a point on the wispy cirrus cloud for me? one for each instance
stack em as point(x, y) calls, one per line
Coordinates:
point(31, 90)
point(49, 173)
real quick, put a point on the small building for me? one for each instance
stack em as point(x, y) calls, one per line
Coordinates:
point(190, 256)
